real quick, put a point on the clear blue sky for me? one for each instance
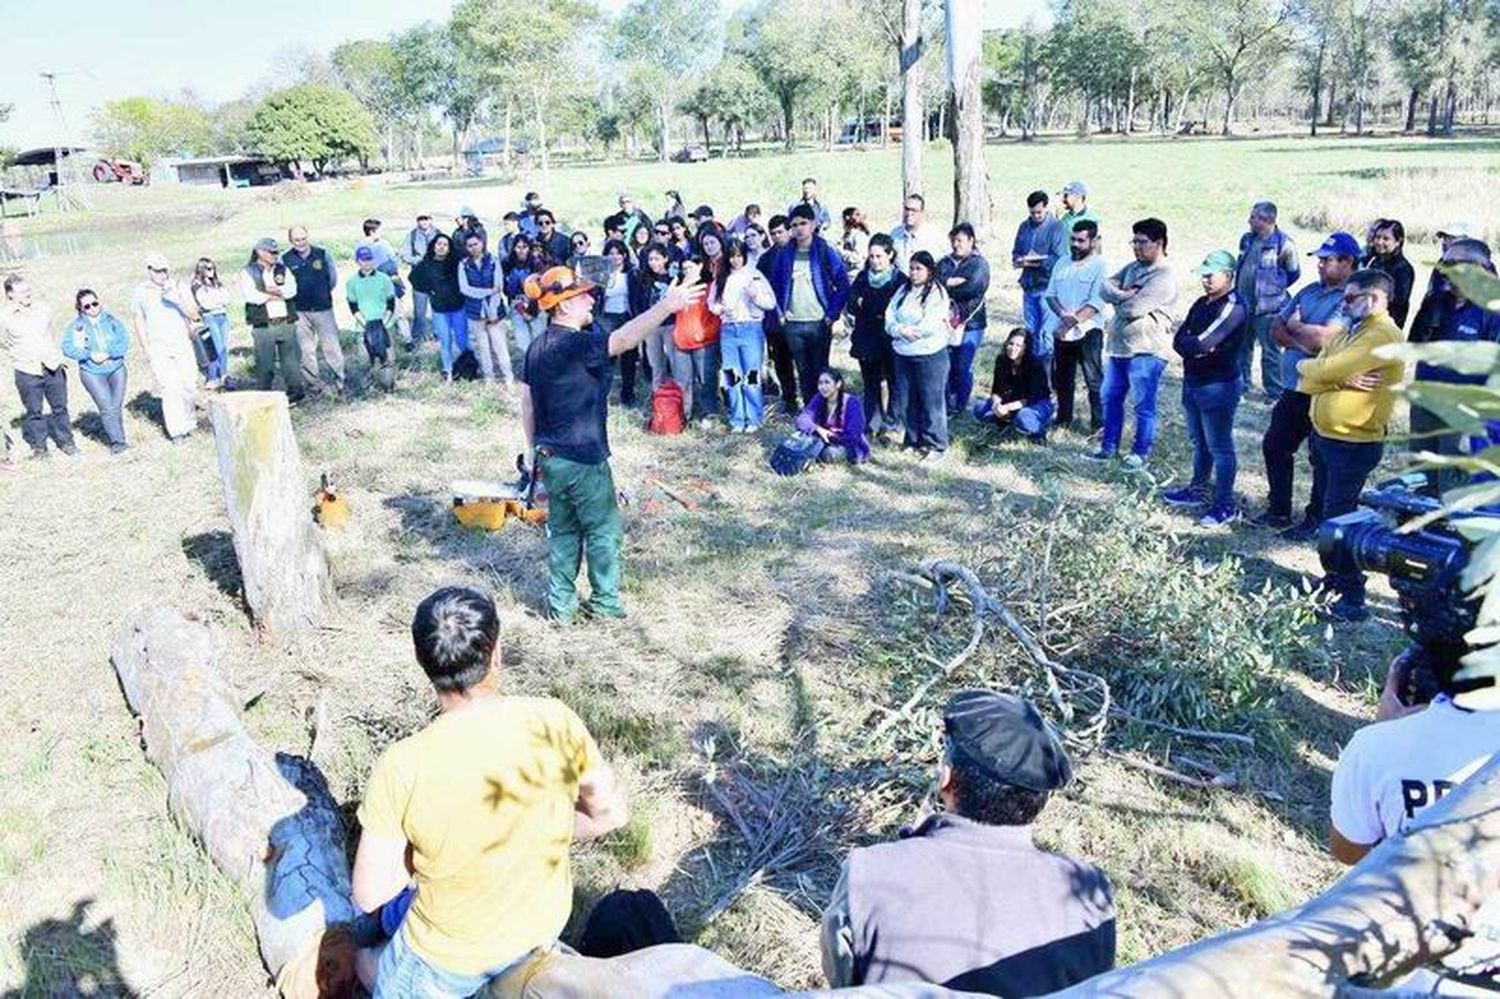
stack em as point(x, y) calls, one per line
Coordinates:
point(115, 48)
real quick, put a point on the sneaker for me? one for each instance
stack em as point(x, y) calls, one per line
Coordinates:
point(1345, 609)
point(1187, 496)
point(39, 454)
point(1218, 516)
point(1272, 521)
point(70, 449)
point(934, 457)
point(117, 448)
point(1103, 455)
point(1133, 463)
point(1305, 531)
point(707, 423)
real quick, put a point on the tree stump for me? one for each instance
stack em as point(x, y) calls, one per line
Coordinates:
point(269, 823)
point(283, 566)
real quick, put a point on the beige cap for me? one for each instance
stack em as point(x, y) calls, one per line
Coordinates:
point(156, 262)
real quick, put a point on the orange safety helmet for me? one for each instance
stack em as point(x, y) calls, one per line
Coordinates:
point(554, 286)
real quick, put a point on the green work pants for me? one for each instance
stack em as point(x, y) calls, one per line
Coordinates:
point(582, 518)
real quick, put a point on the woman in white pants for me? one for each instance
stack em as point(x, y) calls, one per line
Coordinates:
point(480, 279)
point(164, 319)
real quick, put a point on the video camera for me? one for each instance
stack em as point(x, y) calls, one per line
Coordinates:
point(1425, 568)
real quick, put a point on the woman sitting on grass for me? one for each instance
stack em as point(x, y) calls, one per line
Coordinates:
point(837, 418)
point(1020, 398)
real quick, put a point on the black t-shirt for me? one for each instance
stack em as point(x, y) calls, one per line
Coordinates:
point(568, 372)
point(1029, 385)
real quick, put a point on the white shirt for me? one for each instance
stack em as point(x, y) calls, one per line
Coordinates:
point(162, 324)
point(1393, 770)
point(925, 237)
point(617, 294)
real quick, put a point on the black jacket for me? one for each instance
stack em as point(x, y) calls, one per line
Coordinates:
point(1028, 385)
point(1403, 276)
point(865, 310)
point(438, 280)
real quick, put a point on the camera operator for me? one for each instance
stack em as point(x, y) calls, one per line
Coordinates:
point(1414, 753)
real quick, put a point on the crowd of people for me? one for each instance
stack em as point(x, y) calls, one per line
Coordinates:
point(468, 823)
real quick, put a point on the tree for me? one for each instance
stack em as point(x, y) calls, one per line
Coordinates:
point(368, 69)
point(1236, 35)
point(314, 124)
point(512, 45)
point(731, 94)
point(426, 72)
point(145, 128)
point(778, 41)
point(1416, 40)
point(971, 184)
point(674, 36)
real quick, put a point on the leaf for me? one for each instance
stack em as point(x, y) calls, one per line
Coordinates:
point(1466, 358)
point(1476, 284)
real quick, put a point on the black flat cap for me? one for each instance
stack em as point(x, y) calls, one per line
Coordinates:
point(1007, 739)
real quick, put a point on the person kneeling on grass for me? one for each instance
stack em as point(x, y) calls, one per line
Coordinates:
point(372, 300)
point(837, 419)
point(966, 899)
point(1020, 398)
point(475, 813)
point(1210, 341)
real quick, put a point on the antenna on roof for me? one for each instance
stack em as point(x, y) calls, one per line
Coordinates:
point(68, 183)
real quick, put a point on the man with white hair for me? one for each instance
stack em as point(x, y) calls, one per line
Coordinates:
point(316, 276)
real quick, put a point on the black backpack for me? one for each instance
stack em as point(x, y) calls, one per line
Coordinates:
point(624, 921)
point(466, 367)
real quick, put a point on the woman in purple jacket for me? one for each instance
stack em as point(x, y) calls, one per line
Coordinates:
point(838, 419)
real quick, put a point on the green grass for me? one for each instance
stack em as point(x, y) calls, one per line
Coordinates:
point(763, 626)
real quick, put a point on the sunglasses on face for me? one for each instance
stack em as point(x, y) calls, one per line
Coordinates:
point(1353, 297)
point(90, 305)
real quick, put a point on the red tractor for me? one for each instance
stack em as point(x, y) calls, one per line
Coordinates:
point(111, 171)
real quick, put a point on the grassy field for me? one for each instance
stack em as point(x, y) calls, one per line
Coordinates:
point(766, 638)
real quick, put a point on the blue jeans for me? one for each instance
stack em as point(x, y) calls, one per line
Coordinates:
point(1140, 376)
point(218, 331)
point(108, 393)
point(1340, 469)
point(742, 348)
point(961, 372)
point(404, 974)
point(452, 332)
point(1034, 316)
point(1030, 420)
point(1270, 357)
point(421, 315)
point(918, 398)
point(1210, 410)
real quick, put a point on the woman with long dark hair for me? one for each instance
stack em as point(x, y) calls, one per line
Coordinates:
point(517, 266)
point(854, 244)
point(837, 419)
point(98, 342)
point(742, 298)
point(652, 279)
point(695, 365)
point(640, 238)
point(917, 322)
point(437, 277)
point(615, 311)
point(1020, 398)
point(869, 343)
point(1387, 253)
point(212, 300)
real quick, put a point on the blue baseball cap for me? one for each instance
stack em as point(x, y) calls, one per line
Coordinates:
point(364, 253)
point(1338, 244)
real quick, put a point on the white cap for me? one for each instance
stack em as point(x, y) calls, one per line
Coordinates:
point(156, 262)
point(1453, 229)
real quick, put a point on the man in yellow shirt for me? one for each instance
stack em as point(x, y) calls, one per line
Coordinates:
point(1351, 406)
point(478, 811)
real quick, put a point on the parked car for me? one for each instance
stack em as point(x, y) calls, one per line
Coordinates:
point(691, 154)
point(111, 171)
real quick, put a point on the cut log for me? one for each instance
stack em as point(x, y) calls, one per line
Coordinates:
point(268, 822)
point(283, 566)
point(1412, 901)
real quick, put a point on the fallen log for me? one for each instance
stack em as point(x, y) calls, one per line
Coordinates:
point(1412, 901)
point(268, 822)
point(283, 567)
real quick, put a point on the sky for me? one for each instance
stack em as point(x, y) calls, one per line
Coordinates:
point(103, 49)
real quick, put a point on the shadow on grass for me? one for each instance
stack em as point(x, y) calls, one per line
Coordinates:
point(65, 957)
point(213, 552)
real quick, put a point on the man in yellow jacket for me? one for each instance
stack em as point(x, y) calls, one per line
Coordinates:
point(1351, 407)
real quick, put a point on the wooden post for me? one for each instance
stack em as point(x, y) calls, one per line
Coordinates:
point(282, 562)
point(269, 823)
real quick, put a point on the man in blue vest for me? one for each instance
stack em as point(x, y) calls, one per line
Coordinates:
point(966, 899)
point(1267, 269)
point(316, 276)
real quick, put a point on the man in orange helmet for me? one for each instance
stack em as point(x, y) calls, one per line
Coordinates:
point(564, 393)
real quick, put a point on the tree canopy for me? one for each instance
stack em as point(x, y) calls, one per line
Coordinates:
point(315, 124)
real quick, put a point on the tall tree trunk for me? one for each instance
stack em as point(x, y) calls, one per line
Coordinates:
point(541, 138)
point(663, 124)
point(913, 115)
point(1411, 111)
point(1130, 104)
point(971, 182)
point(885, 122)
point(510, 107)
point(283, 566)
point(1231, 93)
point(788, 111)
point(1317, 85)
point(1333, 88)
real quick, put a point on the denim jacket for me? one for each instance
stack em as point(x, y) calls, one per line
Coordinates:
point(85, 337)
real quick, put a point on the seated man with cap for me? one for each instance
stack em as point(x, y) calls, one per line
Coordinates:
point(966, 899)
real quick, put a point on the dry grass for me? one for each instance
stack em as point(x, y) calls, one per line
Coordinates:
point(762, 641)
point(1424, 199)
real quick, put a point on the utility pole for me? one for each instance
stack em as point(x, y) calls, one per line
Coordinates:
point(68, 198)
